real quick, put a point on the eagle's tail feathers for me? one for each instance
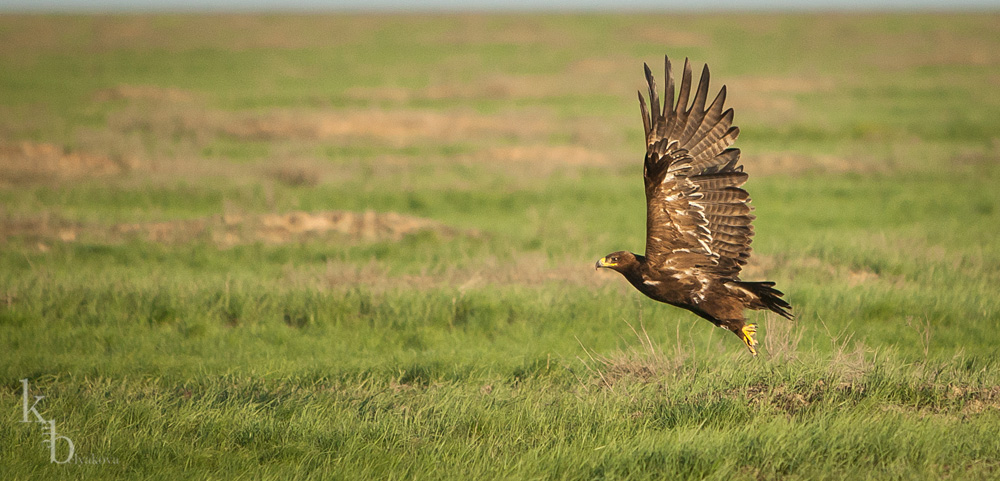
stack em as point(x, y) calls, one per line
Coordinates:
point(768, 298)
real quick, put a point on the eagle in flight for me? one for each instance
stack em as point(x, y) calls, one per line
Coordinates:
point(698, 220)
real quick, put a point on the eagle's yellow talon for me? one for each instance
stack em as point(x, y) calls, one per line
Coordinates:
point(750, 337)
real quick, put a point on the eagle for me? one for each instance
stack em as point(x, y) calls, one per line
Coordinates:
point(698, 217)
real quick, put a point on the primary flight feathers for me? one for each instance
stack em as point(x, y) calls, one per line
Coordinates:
point(693, 195)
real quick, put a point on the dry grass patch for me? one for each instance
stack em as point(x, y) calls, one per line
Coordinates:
point(644, 364)
point(489, 29)
point(845, 381)
point(762, 266)
point(792, 163)
point(656, 34)
point(576, 81)
point(773, 100)
point(31, 35)
point(582, 78)
point(294, 175)
point(758, 86)
point(971, 44)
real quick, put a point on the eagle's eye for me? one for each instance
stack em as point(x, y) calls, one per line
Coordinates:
point(614, 258)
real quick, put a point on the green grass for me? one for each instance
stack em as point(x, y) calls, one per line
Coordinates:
point(490, 348)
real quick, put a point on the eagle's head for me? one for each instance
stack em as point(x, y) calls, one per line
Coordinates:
point(621, 261)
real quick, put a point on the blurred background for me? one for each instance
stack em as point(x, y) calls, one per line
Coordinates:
point(469, 151)
point(413, 5)
point(486, 156)
point(359, 238)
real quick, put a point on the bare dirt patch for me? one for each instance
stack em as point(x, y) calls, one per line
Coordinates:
point(233, 229)
point(143, 93)
point(32, 161)
point(396, 127)
point(542, 158)
point(402, 127)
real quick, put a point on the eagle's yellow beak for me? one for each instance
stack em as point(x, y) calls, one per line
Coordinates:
point(604, 262)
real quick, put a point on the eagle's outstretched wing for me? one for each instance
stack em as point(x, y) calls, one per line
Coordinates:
point(697, 216)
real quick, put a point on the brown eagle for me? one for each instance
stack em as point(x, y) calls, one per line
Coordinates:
point(698, 218)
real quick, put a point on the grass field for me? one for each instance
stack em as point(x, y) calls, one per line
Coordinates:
point(362, 247)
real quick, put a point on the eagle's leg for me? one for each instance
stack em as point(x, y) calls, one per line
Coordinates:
point(748, 334)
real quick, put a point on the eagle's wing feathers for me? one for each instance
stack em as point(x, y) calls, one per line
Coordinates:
point(696, 208)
